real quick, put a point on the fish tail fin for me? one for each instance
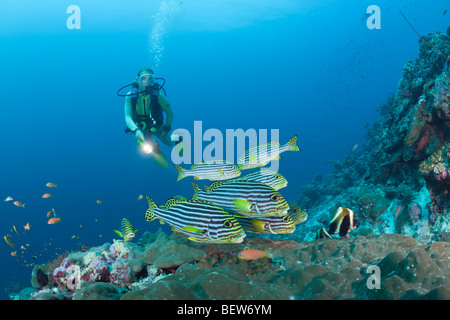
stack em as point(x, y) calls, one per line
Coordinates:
point(149, 216)
point(293, 144)
point(196, 190)
point(180, 172)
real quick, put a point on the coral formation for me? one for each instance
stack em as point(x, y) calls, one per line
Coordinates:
point(397, 184)
point(318, 269)
point(400, 180)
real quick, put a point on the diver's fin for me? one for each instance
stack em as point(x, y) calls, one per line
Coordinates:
point(160, 159)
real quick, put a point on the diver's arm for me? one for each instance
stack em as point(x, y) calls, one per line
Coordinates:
point(165, 105)
point(129, 115)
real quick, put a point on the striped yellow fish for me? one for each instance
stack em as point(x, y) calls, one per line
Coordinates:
point(269, 177)
point(261, 155)
point(244, 198)
point(199, 220)
point(298, 215)
point(271, 225)
point(127, 231)
point(211, 170)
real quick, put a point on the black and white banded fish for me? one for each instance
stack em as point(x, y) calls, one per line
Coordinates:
point(269, 225)
point(261, 155)
point(322, 234)
point(211, 170)
point(342, 222)
point(127, 231)
point(198, 220)
point(269, 177)
point(243, 197)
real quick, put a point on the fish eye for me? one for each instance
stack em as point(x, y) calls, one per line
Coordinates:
point(227, 224)
point(278, 177)
point(275, 197)
point(285, 218)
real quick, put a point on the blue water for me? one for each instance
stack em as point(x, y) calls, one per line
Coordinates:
point(310, 68)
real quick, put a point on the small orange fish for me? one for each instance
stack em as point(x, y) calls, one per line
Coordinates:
point(46, 195)
point(252, 254)
point(397, 211)
point(51, 185)
point(49, 213)
point(27, 226)
point(140, 197)
point(17, 203)
point(8, 241)
point(54, 220)
point(14, 254)
point(99, 201)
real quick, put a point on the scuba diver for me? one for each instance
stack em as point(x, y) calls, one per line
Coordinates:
point(145, 106)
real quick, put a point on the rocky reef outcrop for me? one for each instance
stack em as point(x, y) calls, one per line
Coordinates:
point(399, 181)
point(172, 267)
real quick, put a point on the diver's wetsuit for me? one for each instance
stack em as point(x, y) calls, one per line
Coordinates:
point(143, 108)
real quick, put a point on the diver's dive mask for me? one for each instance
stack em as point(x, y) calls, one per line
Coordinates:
point(146, 79)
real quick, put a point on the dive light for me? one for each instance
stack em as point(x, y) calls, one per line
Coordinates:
point(145, 146)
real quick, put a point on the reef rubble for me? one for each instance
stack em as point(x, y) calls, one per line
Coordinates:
point(171, 267)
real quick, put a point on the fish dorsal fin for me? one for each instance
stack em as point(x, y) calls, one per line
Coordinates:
point(171, 202)
point(261, 146)
point(219, 162)
point(217, 184)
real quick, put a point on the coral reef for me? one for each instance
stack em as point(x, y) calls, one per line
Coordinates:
point(396, 184)
point(318, 269)
point(400, 180)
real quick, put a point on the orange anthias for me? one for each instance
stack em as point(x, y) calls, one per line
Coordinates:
point(54, 220)
point(252, 254)
point(17, 203)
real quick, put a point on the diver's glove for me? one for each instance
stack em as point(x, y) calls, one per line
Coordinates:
point(139, 134)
